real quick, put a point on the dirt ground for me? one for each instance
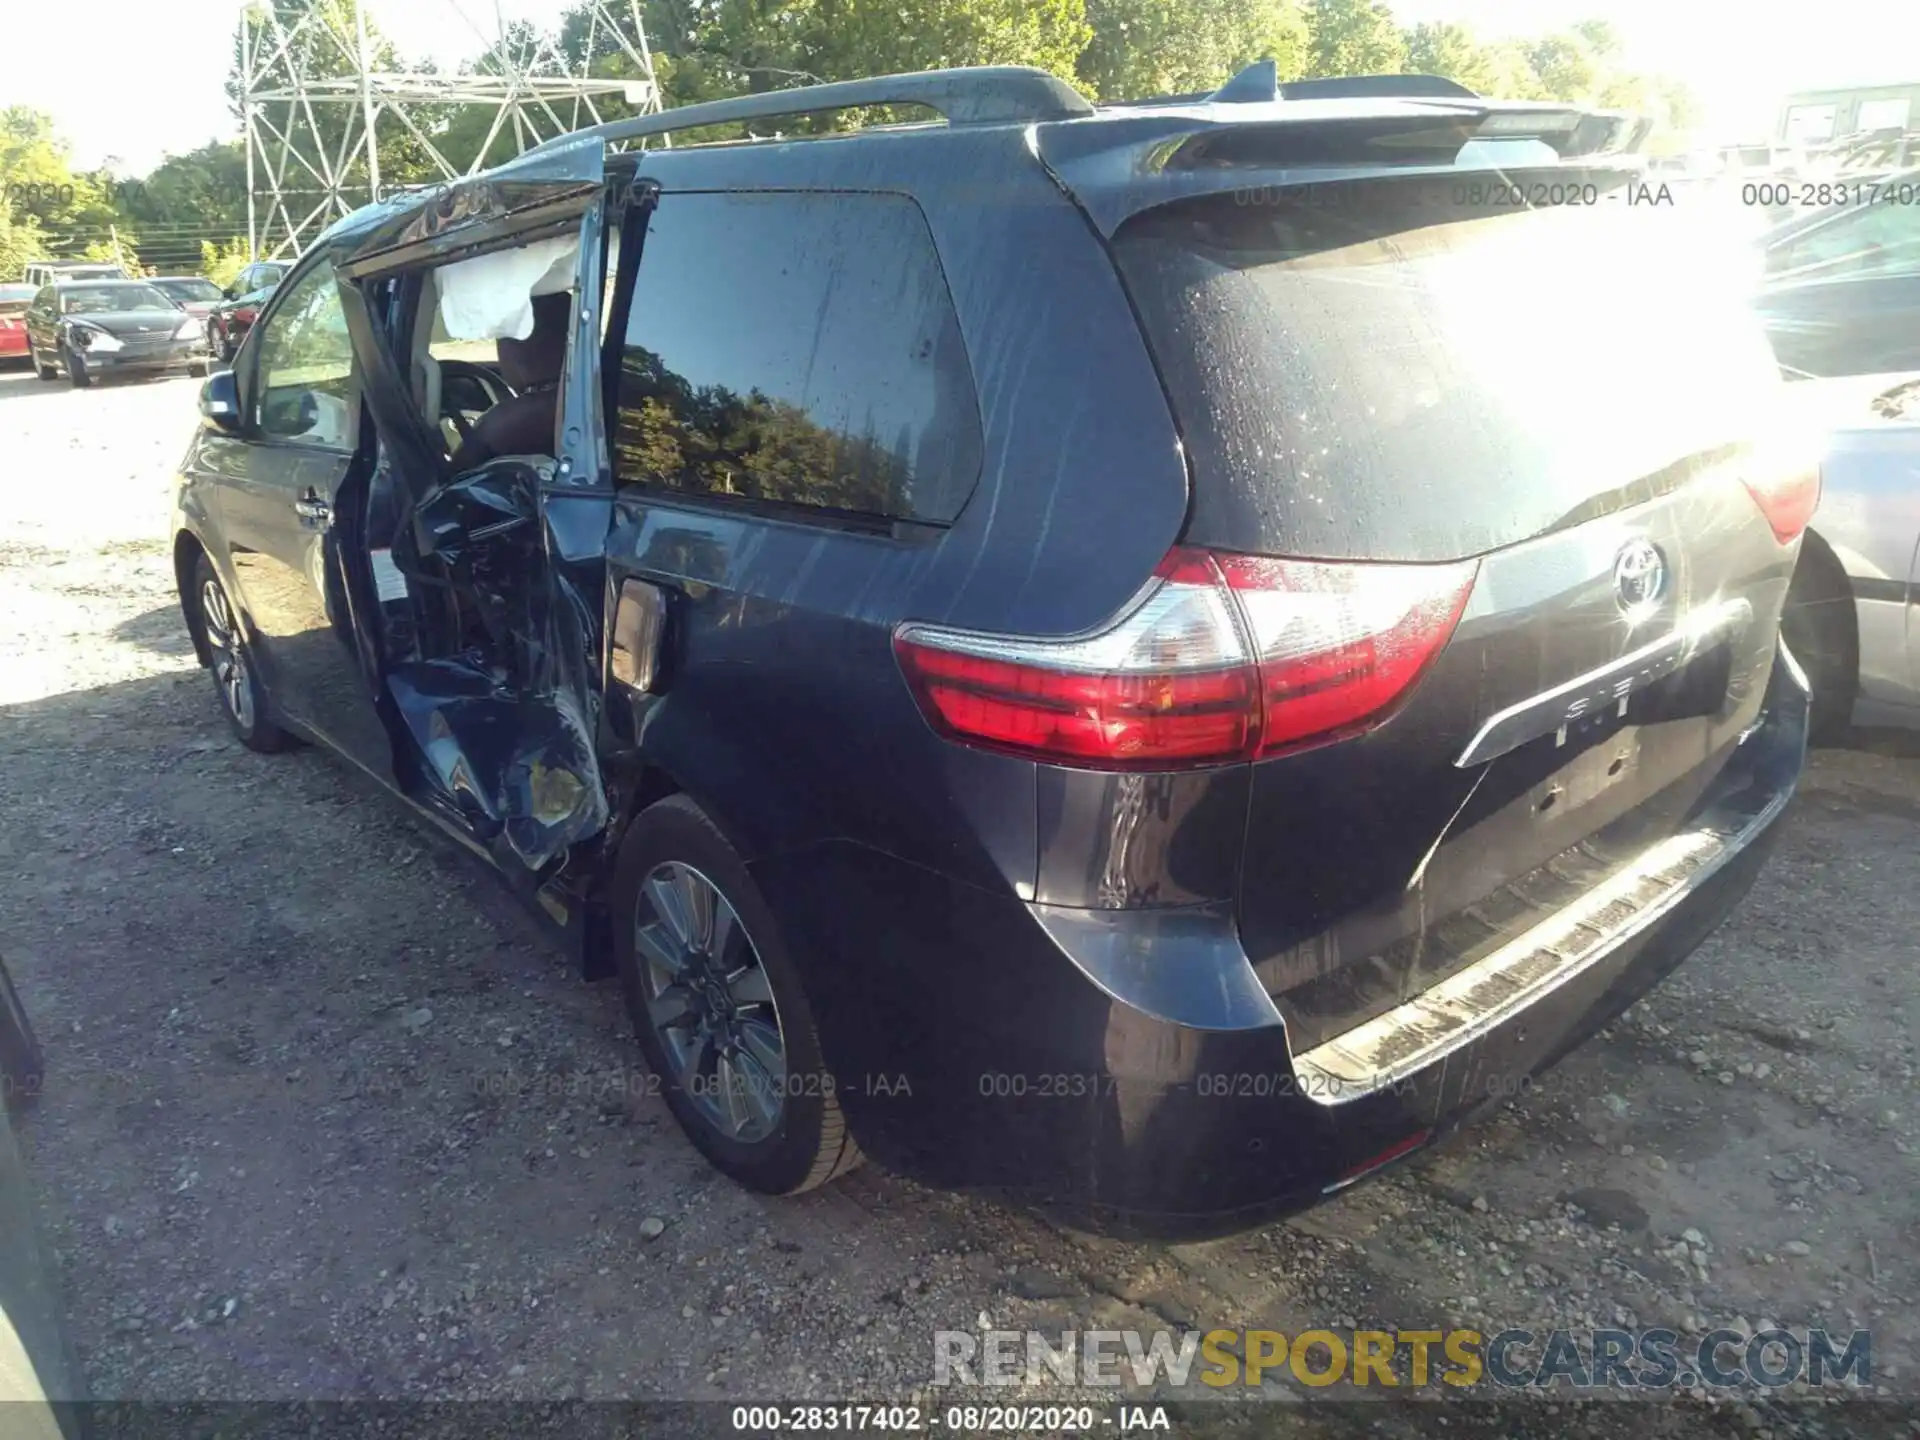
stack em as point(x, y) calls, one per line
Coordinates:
point(326, 1119)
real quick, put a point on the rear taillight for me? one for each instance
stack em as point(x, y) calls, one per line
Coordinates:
point(1219, 658)
point(1788, 500)
point(1339, 645)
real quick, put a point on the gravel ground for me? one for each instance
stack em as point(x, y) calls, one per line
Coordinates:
point(326, 1119)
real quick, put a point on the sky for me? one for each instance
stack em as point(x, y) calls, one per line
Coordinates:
point(155, 84)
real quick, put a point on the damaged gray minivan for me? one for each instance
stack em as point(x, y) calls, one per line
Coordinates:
point(1158, 656)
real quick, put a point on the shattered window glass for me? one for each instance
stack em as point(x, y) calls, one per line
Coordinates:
point(800, 350)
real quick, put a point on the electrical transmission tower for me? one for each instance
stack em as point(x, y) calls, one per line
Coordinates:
point(318, 109)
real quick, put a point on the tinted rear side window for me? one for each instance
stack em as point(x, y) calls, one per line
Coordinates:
point(1419, 370)
point(797, 350)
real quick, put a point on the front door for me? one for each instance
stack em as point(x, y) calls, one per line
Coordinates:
point(282, 511)
point(497, 728)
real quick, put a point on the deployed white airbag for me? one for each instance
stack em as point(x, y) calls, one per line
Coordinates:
point(490, 297)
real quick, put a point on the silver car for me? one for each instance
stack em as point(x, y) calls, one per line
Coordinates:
point(1847, 613)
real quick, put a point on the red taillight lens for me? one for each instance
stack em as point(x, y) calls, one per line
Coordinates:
point(1338, 645)
point(1788, 500)
point(1219, 658)
point(1171, 683)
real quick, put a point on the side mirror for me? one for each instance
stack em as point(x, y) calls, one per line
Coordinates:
point(230, 293)
point(220, 402)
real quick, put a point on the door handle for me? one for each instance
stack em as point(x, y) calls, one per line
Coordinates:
point(311, 507)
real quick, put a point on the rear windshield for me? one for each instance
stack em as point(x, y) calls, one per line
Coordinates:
point(1424, 370)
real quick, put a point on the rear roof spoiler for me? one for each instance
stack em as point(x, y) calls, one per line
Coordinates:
point(1261, 81)
point(1255, 134)
point(1571, 130)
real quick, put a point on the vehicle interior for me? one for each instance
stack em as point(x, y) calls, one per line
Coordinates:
point(455, 541)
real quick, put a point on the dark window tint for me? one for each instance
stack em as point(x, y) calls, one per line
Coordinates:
point(798, 349)
point(1423, 370)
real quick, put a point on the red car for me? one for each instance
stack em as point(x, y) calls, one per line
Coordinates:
point(230, 320)
point(14, 300)
point(194, 294)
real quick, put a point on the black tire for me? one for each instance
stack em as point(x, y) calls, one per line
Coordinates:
point(1820, 628)
point(77, 375)
point(809, 1143)
point(23, 1066)
point(236, 681)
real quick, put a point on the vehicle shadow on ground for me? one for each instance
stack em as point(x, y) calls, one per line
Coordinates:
point(160, 631)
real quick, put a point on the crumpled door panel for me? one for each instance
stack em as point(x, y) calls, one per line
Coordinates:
point(501, 728)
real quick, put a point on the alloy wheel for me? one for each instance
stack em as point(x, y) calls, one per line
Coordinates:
point(229, 659)
point(710, 1003)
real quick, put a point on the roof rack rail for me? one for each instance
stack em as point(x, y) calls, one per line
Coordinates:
point(973, 95)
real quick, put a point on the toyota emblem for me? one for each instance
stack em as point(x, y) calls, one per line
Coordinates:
point(1639, 575)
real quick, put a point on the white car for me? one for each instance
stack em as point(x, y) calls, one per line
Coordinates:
point(1850, 613)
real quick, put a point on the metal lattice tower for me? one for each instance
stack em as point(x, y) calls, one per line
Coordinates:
point(301, 177)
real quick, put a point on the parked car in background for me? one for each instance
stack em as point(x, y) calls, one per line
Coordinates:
point(14, 300)
point(261, 275)
point(194, 294)
point(1070, 681)
point(1841, 290)
point(90, 328)
point(49, 272)
point(229, 321)
point(1849, 617)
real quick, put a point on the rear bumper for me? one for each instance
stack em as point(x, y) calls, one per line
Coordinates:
point(977, 1042)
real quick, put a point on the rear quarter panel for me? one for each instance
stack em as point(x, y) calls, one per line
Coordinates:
point(786, 707)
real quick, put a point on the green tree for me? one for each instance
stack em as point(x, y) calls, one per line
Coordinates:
point(1498, 69)
point(843, 39)
point(20, 243)
point(1353, 37)
point(183, 201)
point(1565, 67)
point(69, 210)
point(1176, 47)
point(222, 264)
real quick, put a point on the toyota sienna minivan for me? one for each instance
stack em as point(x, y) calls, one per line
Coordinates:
point(1151, 657)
